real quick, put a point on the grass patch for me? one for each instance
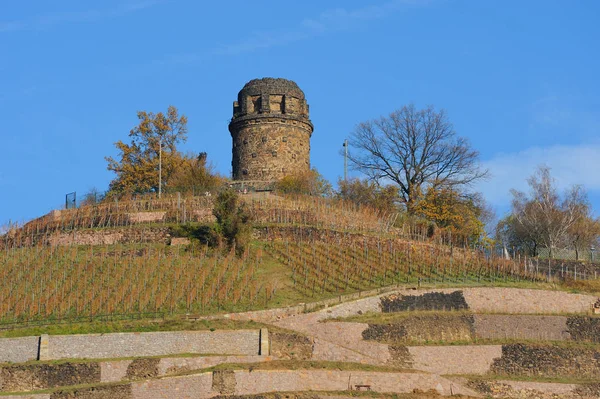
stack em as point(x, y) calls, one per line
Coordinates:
point(392, 318)
point(308, 365)
point(398, 317)
point(133, 326)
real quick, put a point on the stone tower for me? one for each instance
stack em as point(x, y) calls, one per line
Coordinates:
point(270, 130)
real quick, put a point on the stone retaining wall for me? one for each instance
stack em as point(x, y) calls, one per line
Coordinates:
point(90, 346)
point(547, 361)
point(118, 345)
point(478, 300)
point(111, 236)
point(257, 382)
point(552, 328)
point(19, 350)
point(24, 378)
point(584, 328)
point(463, 359)
point(243, 382)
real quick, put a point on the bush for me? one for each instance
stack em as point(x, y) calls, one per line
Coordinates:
point(233, 220)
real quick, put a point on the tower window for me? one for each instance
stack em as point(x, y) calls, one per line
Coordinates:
point(274, 153)
point(245, 171)
point(253, 155)
point(284, 139)
point(245, 141)
point(264, 139)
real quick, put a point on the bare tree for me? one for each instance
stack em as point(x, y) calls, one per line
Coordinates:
point(544, 215)
point(414, 149)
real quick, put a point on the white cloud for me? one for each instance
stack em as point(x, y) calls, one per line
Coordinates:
point(65, 17)
point(337, 19)
point(570, 164)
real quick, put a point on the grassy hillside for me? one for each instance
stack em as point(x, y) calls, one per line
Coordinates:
point(81, 282)
point(306, 249)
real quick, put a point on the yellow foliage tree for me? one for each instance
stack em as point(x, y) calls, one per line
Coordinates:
point(453, 212)
point(193, 174)
point(151, 156)
point(309, 183)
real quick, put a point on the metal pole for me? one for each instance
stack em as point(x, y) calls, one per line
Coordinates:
point(159, 166)
point(346, 160)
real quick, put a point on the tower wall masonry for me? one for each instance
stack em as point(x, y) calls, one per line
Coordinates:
point(270, 130)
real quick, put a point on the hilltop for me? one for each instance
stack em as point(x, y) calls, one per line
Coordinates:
point(126, 298)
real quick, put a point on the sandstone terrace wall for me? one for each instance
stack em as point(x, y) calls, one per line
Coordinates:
point(526, 327)
point(123, 235)
point(196, 386)
point(35, 376)
point(207, 385)
point(116, 345)
point(478, 299)
point(19, 350)
point(92, 346)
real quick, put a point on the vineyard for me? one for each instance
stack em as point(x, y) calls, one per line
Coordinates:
point(53, 283)
point(316, 268)
point(306, 248)
point(177, 209)
point(50, 283)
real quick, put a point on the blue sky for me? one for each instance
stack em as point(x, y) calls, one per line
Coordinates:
point(519, 79)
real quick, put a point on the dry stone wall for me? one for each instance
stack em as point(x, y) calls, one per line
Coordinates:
point(582, 328)
point(111, 236)
point(427, 301)
point(34, 377)
point(548, 361)
point(421, 328)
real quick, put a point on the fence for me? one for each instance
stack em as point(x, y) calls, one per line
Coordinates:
point(584, 255)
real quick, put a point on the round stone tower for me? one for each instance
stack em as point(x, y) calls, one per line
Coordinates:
point(270, 130)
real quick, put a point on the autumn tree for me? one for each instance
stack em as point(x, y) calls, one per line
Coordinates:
point(414, 149)
point(462, 214)
point(193, 173)
point(310, 182)
point(369, 193)
point(151, 156)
